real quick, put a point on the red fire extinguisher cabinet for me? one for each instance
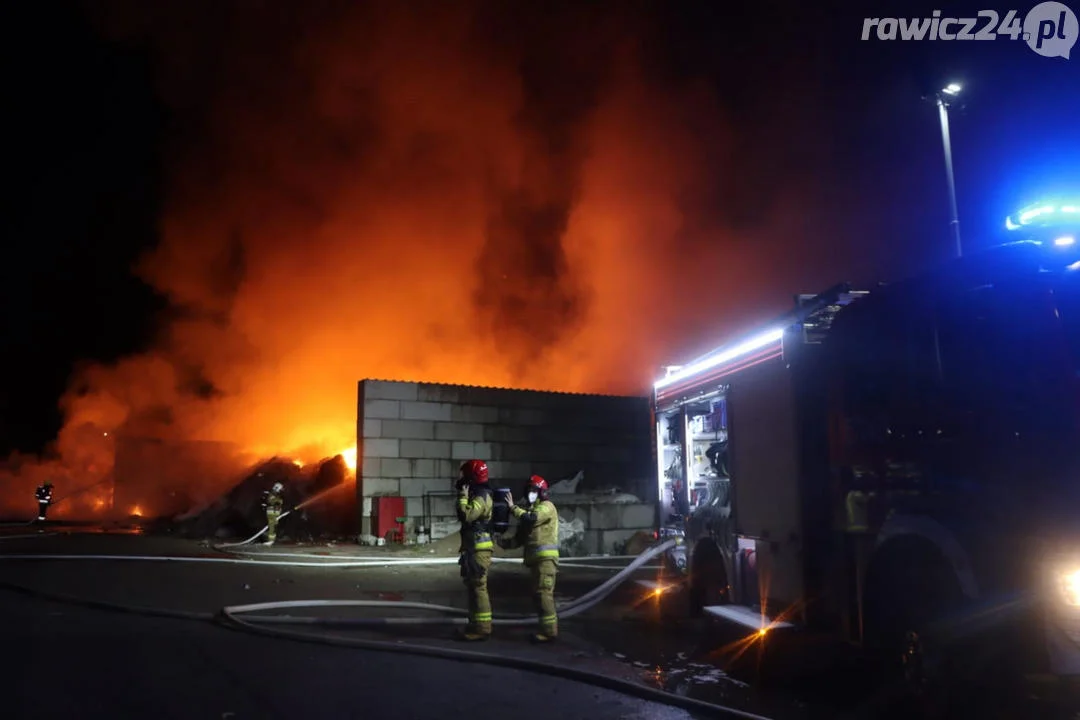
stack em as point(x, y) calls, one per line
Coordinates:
point(385, 512)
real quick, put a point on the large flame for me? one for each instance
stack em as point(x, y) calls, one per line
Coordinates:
point(350, 458)
point(430, 192)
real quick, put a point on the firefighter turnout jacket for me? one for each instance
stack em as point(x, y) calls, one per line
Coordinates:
point(475, 507)
point(274, 502)
point(538, 532)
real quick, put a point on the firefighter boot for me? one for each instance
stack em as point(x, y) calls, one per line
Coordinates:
point(479, 627)
point(544, 595)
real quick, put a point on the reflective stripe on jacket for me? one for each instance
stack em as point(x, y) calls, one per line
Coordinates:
point(543, 522)
point(474, 512)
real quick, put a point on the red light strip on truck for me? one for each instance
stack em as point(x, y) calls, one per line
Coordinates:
point(771, 352)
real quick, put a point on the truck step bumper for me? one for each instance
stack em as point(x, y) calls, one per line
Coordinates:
point(742, 615)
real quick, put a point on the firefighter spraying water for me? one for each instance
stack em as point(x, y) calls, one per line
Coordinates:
point(274, 503)
point(44, 495)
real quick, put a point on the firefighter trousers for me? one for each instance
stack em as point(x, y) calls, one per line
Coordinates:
point(543, 580)
point(475, 576)
point(272, 517)
point(42, 509)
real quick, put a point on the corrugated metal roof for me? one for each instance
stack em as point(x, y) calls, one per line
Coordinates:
point(506, 389)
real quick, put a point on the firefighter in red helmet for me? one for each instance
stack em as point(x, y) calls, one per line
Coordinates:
point(538, 532)
point(474, 509)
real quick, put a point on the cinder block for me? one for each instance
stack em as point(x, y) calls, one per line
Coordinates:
point(505, 434)
point(441, 506)
point(569, 512)
point(483, 450)
point(532, 416)
point(395, 468)
point(611, 454)
point(422, 468)
point(613, 541)
point(592, 542)
point(426, 411)
point(523, 416)
point(516, 471)
point(430, 392)
point(370, 467)
point(636, 517)
point(474, 414)
point(517, 452)
point(422, 449)
point(381, 447)
point(567, 453)
point(603, 516)
point(446, 468)
point(408, 429)
point(375, 487)
point(469, 432)
point(366, 506)
point(382, 409)
point(414, 507)
point(371, 428)
point(417, 487)
point(388, 390)
point(463, 451)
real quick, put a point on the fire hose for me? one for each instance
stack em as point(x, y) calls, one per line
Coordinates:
point(243, 617)
point(281, 517)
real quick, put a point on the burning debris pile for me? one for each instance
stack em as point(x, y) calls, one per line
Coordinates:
point(322, 489)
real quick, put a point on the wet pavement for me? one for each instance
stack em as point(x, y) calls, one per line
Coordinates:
point(629, 636)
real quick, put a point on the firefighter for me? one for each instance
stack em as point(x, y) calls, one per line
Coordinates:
point(538, 531)
point(44, 499)
point(273, 502)
point(474, 510)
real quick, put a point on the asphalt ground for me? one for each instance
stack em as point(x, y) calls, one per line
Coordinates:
point(629, 636)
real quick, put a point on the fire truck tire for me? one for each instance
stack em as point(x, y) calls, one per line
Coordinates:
point(708, 577)
point(909, 585)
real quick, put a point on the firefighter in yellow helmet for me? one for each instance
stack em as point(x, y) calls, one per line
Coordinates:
point(538, 531)
point(274, 502)
point(474, 509)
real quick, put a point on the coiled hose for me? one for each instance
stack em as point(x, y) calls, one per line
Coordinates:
point(240, 617)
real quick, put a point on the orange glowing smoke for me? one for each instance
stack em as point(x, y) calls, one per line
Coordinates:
point(403, 191)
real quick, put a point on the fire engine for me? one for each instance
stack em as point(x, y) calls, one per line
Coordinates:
point(876, 461)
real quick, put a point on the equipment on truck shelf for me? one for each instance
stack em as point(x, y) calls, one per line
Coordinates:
point(929, 425)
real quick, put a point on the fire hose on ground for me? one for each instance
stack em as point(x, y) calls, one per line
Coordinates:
point(281, 517)
point(244, 617)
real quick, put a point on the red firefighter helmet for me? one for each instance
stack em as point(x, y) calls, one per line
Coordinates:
point(538, 485)
point(474, 472)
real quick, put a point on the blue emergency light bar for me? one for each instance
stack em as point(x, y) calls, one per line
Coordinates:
point(1046, 214)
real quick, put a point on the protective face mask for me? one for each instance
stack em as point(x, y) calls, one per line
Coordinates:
point(532, 497)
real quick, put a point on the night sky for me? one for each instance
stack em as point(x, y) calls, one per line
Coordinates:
point(819, 116)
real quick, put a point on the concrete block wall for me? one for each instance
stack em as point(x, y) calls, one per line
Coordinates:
point(607, 525)
point(412, 437)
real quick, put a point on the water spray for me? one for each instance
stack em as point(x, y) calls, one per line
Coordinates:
point(317, 496)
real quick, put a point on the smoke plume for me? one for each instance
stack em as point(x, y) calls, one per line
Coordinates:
point(488, 193)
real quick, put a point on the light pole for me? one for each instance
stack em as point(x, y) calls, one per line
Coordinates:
point(944, 98)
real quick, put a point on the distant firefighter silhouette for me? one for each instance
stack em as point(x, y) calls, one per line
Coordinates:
point(44, 500)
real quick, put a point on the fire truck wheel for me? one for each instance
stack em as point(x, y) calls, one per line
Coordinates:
point(708, 577)
point(909, 585)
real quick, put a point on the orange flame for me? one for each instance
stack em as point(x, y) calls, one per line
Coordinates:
point(415, 209)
